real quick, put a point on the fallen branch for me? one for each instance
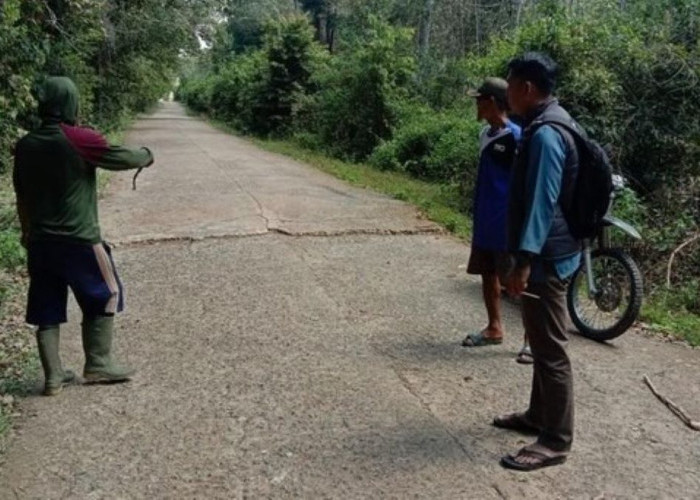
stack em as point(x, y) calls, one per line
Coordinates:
point(673, 257)
point(677, 410)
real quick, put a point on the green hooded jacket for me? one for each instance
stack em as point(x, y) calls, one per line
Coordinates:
point(55, 169)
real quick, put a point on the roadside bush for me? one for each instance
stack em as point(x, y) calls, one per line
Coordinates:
point(11, 252)
point(21, 60)
point(412, 145)
point(360, 91)
point(261, 91)
point(196, 93)
point(432, 146)
point(457, 151)
point(292, 56)
point(235, 88)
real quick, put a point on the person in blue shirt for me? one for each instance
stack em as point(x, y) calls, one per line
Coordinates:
point(545, 256)
point(498, 143)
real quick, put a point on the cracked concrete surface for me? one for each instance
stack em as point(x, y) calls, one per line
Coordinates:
point(208, 184)
point(279, 365)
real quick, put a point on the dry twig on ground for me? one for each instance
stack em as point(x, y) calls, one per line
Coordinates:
point(677, 410)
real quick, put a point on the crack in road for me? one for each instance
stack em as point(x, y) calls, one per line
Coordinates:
point(426, 407)
point(236, 182)
point(157, 239)
point(409, 387)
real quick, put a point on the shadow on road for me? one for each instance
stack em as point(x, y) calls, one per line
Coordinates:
point(428, 351)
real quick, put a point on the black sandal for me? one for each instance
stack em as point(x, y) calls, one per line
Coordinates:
point(525, 356)
point(515, 422)
point(541, 460)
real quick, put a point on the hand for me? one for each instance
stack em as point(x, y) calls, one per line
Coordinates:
point(153, 158)
point(517, 281)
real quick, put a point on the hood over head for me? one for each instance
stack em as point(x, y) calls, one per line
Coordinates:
point(58, 100)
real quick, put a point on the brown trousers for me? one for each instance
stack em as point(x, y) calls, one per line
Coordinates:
point(552, 398)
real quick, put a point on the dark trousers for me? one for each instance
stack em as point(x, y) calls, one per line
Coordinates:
point(552, 398)
point(88, 270)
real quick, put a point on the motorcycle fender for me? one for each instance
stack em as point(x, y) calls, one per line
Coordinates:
point(624, 226)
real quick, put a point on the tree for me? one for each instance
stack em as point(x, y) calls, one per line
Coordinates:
point(426, 25)
point(324, 17)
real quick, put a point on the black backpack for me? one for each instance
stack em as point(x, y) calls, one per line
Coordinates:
point(593, 188)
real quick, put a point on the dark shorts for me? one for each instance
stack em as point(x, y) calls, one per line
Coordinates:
point(487, 261)
point(88, 270)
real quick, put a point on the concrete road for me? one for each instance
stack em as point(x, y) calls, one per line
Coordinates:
point(299, 338)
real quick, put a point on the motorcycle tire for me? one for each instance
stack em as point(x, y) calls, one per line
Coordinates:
point(611, 290)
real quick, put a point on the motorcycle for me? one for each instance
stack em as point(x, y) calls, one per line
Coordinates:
point(605, 294)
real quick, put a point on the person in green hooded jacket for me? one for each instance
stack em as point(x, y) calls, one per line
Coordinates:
point(55, 184)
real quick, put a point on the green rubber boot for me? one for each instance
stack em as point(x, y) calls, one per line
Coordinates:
point(97, 344)
point(47, 339)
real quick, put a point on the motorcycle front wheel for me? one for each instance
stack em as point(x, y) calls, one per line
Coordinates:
point(614, 306)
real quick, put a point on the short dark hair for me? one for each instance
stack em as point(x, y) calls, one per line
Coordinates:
point(537, 68)
point(501, 103)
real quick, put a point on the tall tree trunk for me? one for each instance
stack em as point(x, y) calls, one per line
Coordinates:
point(426, 24)
point(323, 14)
point(322, 27)
point(519, 5)
point(325, 28)
point(477, 21)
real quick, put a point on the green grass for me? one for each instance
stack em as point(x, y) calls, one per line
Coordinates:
point(662, 313)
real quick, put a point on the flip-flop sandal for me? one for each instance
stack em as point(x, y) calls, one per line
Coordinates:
point(524, 357)
point(541, 460)
point(515, 422)
point(479, 339)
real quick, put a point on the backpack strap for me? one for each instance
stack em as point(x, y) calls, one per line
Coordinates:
point(566, 127)
point(570, 126)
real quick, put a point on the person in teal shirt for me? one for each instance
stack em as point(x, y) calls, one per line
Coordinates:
point(545, 170)
point(545, 255)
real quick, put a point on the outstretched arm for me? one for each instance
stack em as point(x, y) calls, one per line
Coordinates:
point(123, 158)
point(95, 149)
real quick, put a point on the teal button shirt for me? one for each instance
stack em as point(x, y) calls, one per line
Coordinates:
point(547, 156)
